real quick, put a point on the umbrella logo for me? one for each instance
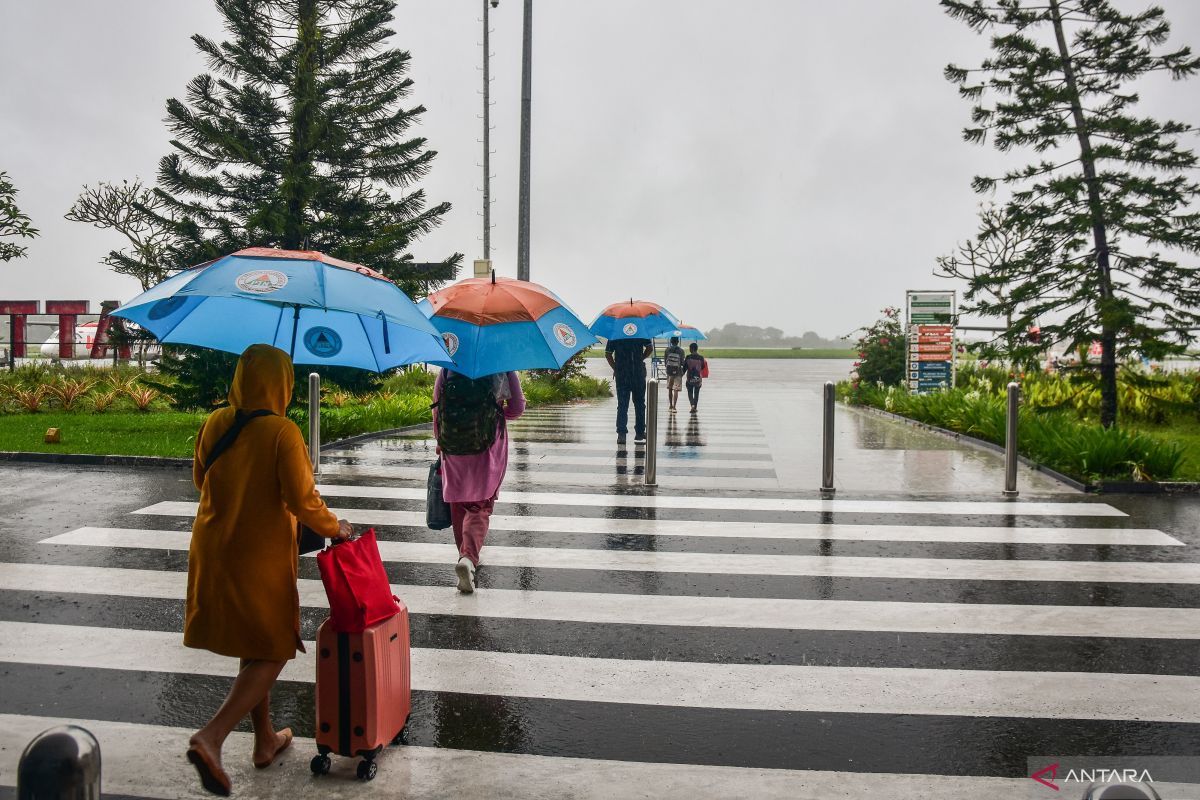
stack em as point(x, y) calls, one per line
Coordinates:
point(323, 342)
point(261, 281)
point(166, 307)
point(451, 343)
point(630, 329)
point(566, 337)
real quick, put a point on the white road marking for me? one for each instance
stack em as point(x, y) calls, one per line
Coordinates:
point(682, 610)
point(717, 563)
point(771, 687)
point(711, 502)
point(146, 761)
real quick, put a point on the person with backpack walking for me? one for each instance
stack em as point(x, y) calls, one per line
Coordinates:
point(469, 416)
point(627, 357)
point(696, 368)
point(673, 362)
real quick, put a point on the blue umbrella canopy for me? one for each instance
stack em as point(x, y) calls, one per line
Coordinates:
point(501, 324)
point(319, 309)
point(634, 319)
point(686, 332)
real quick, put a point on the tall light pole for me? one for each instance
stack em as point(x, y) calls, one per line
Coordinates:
point(523, 205)
point(487, 133)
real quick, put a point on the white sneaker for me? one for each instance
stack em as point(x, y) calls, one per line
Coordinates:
point(640, 440)
point(466, 575)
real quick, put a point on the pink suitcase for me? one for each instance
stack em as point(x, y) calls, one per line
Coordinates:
point(364, 692)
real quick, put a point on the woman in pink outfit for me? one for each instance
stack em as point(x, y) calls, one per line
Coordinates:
point(470, 483)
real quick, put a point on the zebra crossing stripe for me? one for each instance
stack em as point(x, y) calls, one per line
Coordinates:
point(547, 459)
point(710, 502)
point(436, 773)
point(716, 563)
point(550, 477)
point(755, 530)
point(426, 446)
point(773, 687)
point(681, 610)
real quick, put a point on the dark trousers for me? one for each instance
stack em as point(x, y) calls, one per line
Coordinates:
point(635, 388)
point(693, 394)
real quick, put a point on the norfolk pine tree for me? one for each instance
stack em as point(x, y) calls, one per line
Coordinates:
point(1111, 206)
point(297, 138)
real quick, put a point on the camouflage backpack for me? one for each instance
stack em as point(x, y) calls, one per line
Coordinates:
point(467, 414)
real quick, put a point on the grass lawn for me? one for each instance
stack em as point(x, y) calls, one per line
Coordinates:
point(160, 433)
point(757, 352)
point(1185, 432)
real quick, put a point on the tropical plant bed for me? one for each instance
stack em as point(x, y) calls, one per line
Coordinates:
point(402, 400)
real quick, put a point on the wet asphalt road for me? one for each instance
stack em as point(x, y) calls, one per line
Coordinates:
point(910, 621)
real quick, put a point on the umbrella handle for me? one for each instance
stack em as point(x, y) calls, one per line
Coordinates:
point(295, 325)
point(387, 345)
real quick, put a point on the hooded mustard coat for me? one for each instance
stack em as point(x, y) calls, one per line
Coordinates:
point(242, 599)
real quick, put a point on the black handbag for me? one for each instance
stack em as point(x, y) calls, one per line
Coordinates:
point(437, 510)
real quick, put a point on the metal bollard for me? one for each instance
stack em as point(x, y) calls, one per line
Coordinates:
point(1010, 441)
point(60, 764)
point(830, 394)
point(314, 421)
point(651, 468)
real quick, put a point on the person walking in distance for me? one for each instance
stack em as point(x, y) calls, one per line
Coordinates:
point(696, 368)
point(627, 357)
point(673, 362)
point(469, 416)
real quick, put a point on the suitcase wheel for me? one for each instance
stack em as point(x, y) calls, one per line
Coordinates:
point(320, 765)
point(367, 770)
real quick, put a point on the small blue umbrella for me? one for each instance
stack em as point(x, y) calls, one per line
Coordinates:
point(686, 332)
point(634, 319)
point(501, 324)
point(319, 309)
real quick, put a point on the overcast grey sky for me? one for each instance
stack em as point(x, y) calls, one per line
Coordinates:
point(795, 163)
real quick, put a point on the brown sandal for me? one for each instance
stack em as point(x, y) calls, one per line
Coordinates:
point(212, 777)
point(286, 733)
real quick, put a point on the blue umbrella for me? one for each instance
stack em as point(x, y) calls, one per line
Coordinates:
point(686, 332)
point(501, 324)
point(638, 319)
point(319, 309)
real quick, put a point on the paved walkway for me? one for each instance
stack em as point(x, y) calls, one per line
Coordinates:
point(729, 635)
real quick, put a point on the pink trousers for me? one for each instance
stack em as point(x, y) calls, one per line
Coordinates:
point(470, 522)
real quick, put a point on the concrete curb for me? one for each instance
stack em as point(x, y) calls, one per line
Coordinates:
point(1103, 487)
point(95, 460)
point(88, 459)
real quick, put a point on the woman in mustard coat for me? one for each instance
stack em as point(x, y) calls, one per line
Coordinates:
point(242, 599)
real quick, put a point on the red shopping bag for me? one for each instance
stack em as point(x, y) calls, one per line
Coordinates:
point(356, 584)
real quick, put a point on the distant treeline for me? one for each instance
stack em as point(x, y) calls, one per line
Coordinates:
point(734, 335)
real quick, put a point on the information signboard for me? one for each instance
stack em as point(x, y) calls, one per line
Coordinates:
point(929, 327)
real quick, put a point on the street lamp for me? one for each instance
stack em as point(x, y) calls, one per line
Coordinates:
point(487, 133)
point(523, 205)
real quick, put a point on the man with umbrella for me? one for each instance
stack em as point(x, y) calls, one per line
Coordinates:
point(627, 357)
point(629, 329)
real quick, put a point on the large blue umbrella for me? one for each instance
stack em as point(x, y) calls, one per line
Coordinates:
point(501, 324)
point(319, 309)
